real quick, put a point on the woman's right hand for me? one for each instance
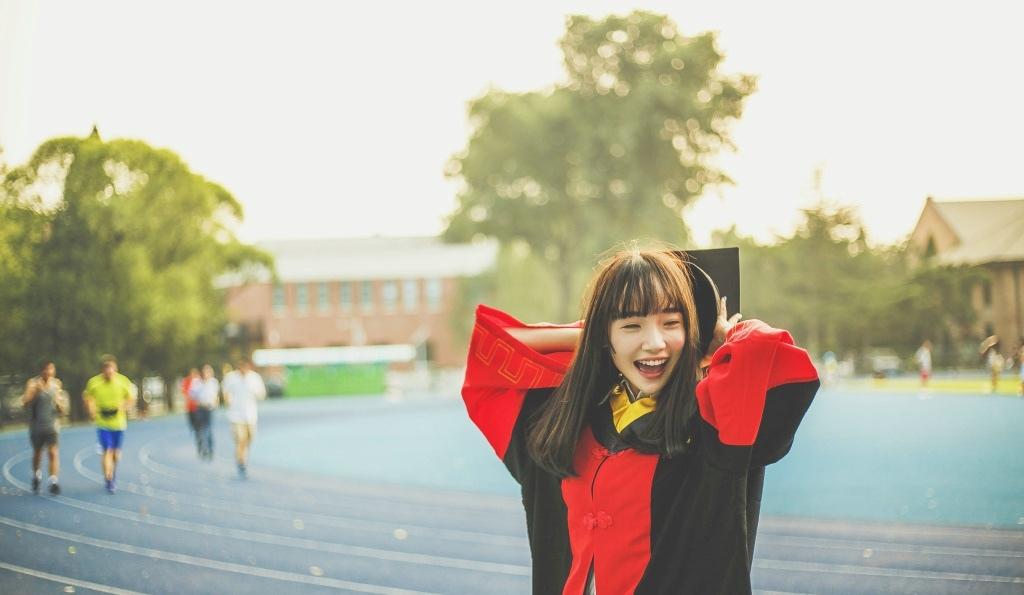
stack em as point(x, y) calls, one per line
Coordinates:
point(722, 328)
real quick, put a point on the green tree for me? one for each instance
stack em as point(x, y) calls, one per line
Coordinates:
point(612, 153)
point(834, 291)
point(22, 228)
point(134, 242)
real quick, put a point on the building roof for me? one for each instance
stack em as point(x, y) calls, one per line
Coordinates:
point(988, 230)
point(352, 259)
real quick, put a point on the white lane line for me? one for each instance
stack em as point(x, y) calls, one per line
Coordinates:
point(256, 571)
point(67, 580)
point(289, 515)
point(14, 460)
point(786, 526)
point(793, 566)
point(883, 546)
point(280, 540)
point(417, 496)
point(767, 539)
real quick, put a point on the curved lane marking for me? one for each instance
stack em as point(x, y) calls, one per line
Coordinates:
point(767, 538)
point(278, 513)
point(67, 580)
point(207, 563)
point(795, 566)
point(797, 541)
point(483, 502)
point(280, 540)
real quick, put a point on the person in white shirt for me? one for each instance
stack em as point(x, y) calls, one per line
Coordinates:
point(923, 357)
point(243, 388)
point(204, 392)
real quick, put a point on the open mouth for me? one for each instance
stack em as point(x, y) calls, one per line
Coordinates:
point(651, 368)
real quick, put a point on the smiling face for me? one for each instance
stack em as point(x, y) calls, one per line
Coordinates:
point(641, 319)
point(646, 349)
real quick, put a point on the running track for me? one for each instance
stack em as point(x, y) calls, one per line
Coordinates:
point(181, 526)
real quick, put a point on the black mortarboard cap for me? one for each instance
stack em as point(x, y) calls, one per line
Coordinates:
point(716, 274)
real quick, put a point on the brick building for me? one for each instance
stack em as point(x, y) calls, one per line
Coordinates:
point(987, 234)
point(351, 292)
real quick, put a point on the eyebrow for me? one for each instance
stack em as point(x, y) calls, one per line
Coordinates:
point(643, 314)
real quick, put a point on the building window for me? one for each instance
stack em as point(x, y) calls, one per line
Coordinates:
point(389, 295)
point(323, 297)
point(280, 299)
point(366, 296)
point(345, 295)
point(434, 293)
point(410, 294)
point(301, 298)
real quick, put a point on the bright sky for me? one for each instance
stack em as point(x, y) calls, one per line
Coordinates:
point(336, 118)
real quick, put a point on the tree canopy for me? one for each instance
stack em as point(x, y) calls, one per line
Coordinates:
point(115, 247)
point(835, 292)
point(616, 151)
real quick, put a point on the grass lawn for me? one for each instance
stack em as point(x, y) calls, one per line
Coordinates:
point(1009, 384)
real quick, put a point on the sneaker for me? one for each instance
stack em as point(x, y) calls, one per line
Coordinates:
point(35, 485)
point(111, 488)
point(55, 489)
point(242, 473)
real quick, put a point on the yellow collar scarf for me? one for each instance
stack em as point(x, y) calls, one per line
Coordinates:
point(624, 412)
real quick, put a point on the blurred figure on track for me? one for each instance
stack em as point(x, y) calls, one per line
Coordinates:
point(108, 396)
point(993, 360)
point(243, 388)
point(923, 357)
point(190, 403)
point(44, 401)
point(204, 393)
point(1020, 369)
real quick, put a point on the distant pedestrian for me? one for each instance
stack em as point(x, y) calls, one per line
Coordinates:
point(108, 396)
point(923, 357)
point(190, 403)
point(204, 392)
point(243, 388)
point(1020, 370)
point(831, 365)
point(43, 399)
point(993, 360)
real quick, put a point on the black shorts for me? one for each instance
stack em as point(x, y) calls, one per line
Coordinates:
point(41, 438)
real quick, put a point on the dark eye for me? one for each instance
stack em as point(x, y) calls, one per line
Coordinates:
point(631, 326)
point(673, 323)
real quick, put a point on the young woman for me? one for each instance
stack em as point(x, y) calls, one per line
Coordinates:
point(639, 444)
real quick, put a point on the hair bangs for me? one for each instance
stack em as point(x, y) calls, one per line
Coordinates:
point(646, 284)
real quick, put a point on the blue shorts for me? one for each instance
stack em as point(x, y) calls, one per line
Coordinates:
point(111, 439)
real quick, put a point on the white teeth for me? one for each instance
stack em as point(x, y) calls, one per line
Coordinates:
point(651, 362)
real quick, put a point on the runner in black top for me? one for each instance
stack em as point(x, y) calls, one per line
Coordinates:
point(44, 402)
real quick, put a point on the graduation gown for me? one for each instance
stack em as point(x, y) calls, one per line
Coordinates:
point(644, 523)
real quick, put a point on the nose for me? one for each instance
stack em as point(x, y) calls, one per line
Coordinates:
point(654, 340)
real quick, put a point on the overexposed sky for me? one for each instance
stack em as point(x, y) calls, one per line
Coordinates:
point(335, 118)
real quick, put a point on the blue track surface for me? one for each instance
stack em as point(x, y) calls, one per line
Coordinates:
point(881, 494)
point(880, 457)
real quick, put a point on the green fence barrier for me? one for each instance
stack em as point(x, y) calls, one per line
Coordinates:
point(308, 381)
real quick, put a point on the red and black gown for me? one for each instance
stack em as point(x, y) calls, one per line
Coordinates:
point(644, 523)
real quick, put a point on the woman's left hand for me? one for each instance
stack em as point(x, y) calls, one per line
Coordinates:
point(722, 328)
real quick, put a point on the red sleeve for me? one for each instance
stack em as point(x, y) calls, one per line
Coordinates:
point(499, 371)
point(754, 359)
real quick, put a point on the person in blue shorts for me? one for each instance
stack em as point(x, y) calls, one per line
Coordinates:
point(108, 396)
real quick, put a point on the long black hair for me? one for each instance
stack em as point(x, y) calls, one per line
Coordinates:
point(632, 282)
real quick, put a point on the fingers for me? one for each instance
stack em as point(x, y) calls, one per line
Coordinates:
point(722, 311)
